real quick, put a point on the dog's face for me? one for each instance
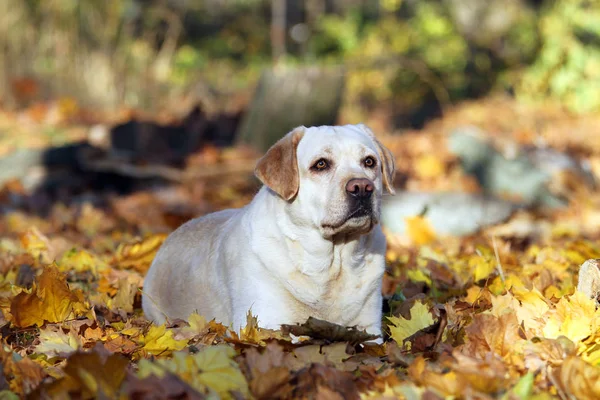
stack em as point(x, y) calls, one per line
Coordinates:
point(333, 177)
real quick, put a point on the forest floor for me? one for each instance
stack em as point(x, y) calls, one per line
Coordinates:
point(492, 315)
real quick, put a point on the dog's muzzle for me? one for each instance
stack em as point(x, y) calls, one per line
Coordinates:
point(360, 191)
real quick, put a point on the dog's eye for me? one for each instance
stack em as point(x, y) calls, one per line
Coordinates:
point(369, 162)
point(321, 165)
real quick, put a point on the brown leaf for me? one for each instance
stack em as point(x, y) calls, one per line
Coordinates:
point(499, 335)
point(269, 371)
point(95, 374)
point(324, 330)
point(548, 352)
point(23, 374)
point(576, 379)
point(333, 355)
point(121, 344)
point(272, 384)
point(167, 387)
point(487, 375)
point(325, 382)
point(445, 383)
point(50, 300)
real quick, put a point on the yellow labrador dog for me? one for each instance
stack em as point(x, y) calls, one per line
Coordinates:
point(309, 243)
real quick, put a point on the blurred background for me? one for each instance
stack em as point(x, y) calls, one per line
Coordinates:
point(105, 97)
point(404, 61)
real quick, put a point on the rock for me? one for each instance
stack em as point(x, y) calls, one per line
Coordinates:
point(524, 177)
point(589, 279)
point(449, 213)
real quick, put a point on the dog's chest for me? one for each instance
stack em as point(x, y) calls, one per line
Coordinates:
point(338, 291)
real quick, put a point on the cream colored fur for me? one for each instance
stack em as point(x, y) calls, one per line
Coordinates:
point(292, 252)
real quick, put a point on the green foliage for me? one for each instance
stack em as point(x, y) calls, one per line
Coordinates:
point(337, 34)
point(567, 69)
point(401, 55)
point(418, 51)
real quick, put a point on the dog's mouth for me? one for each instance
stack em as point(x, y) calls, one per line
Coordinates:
point(362, 210)
point(360, 220)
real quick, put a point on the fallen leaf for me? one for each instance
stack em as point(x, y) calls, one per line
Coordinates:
point(50, 300)
point(325, 382)
point(576, 379)
point(23, 374)
point(402, 328)
point(575, 317)
point(139, 254)
point(498, 335)
point(95, 374)
point(324, 330)
point(195, 325)
point(169, 387)
point(38, 245)
point(81, 260)
point(55, 342)
point(210, 370)
point(159, 341)
point(269, 372)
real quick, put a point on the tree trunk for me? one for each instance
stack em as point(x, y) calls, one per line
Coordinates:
point(278, 19)
point(287, 98)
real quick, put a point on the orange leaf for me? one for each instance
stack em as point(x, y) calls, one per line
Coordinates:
point(50, 300)
point(23, 374)
point(37, 244)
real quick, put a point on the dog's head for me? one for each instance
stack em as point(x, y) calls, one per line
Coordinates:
point(332, 177)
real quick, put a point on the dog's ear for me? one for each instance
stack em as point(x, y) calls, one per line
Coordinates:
point(388, 162)
point(278, 168)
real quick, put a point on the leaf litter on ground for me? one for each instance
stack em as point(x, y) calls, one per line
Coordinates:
point(495, 314)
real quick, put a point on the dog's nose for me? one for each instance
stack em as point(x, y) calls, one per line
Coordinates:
point(360, 188)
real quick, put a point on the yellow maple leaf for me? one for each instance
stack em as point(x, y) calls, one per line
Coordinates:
point(528, 305)
point(210, 370)
point(575, 317)
point(417, 275)
point(50, 300)
point(250, 332)
point(483, 264)
point(197, 325)
point(498, 286)
point(419, 230)
point(81, 260)
point(139, 254)
point(160, 341)
point(420, 318)
point(197, 322)
point(533, 304)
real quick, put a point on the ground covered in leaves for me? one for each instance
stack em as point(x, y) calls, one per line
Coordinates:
point(492, 315)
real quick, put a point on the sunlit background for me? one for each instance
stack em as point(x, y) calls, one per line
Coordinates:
point(404, 61)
